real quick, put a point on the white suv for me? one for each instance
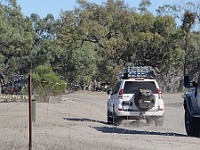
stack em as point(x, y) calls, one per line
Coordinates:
point(135, 96)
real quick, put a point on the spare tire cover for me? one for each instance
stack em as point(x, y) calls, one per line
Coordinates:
point(144, 99)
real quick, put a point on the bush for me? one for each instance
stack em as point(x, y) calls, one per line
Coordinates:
point(46, 82)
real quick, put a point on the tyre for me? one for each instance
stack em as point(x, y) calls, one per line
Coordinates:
point(109, 117)
point(159, 121)
point(116, 120)
point(144, 99)
point(191, 125)
point(149, 121)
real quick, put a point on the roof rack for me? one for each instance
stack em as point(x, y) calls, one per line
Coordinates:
point(137, 72)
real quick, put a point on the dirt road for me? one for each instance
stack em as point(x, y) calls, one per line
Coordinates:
point(78, 122)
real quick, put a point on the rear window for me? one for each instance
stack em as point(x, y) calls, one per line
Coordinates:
point(131, 87)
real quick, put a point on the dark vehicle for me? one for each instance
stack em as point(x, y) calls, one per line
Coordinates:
point(15, 85)
point(7, 88)
point(192, 107)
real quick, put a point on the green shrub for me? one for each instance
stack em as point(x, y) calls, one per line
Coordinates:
point(46, 82)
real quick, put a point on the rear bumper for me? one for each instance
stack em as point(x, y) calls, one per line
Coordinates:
point(138, 114)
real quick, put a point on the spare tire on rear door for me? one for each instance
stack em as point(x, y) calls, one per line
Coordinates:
point(144, 99)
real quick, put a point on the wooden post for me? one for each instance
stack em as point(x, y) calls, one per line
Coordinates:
point(30, 112)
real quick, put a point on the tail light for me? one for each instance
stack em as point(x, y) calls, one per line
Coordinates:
point(159, 91)
point(12, 89)
point(121, 94)
point(159, 94)
point(120, 109)
point(160, 109)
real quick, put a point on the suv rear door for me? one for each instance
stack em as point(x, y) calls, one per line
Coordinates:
point(131, 87)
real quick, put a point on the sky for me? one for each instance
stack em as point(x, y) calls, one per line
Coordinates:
point(43, 7)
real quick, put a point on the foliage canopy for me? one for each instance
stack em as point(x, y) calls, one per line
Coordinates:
point(94, 42)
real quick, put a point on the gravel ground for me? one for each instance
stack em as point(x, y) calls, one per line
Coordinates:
point(78, 122)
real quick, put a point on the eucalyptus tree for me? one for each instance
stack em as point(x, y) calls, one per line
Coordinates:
point(107, 27)
point(66, 43)
point(187, 14)
point(193, 58)
point(72, 57)
point(143, 6)
point(188, 22)
point(83, 60)
point(122, 36)
point(16, 38)
point(44, 42)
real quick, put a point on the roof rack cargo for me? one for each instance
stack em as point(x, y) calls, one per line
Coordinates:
point(137, 72)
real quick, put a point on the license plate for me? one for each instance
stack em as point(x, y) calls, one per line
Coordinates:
point(125, 107)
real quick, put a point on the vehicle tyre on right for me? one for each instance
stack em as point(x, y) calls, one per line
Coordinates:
point(192, 125)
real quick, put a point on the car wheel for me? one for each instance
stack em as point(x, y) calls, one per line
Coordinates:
point(149, 121)
point(159, 121)
point(116, 120)
point(191, 125)
point(109, 117)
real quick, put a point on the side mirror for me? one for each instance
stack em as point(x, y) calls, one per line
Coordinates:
point(188, 83)
point(109, 92)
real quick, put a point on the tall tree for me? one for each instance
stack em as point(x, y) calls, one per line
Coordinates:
point(16, 37)
point(188, 22)
point(143, 6)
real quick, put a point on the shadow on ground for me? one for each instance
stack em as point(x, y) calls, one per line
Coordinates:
point(121, 130)
point(85, 120)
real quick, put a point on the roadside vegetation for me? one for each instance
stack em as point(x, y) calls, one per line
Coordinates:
point(93, 42)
